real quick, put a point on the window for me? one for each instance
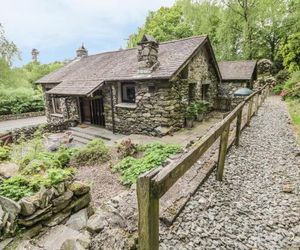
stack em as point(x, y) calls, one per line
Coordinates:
point(56, 104)
point(204, 91)
point(128, 92)
point(192, 92)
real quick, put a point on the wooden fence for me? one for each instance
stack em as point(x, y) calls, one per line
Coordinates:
point(5, 138)
point(152, 185)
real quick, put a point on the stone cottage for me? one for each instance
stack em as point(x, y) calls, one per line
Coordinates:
point(235, 75)
point(141, 90)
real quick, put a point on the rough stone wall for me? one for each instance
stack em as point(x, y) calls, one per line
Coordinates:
point(20, 116)
point(153, 113)
point(69, 107)
point(201, 71)
point(48, 207)
point(227, 101)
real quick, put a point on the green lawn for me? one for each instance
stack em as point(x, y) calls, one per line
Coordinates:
point(294, 109)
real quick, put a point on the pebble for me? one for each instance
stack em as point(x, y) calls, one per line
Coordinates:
point(257, 206)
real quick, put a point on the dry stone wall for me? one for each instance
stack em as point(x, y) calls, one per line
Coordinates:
point(48, 207)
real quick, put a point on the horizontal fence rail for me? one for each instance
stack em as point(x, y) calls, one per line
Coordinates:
point(152, 185)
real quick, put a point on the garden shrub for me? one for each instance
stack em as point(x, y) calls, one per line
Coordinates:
point(127, 148)
point(282, 76)
point(292, 86)
point(95, 152)
point(4, 153)
point(155, 155)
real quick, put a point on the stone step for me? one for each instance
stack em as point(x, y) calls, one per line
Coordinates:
point(82, 135)
point(81, 140)
point(90, 131)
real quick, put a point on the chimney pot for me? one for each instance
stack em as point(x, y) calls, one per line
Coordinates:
point(81, 52)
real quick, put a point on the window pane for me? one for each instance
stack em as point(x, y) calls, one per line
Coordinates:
point(128, 92)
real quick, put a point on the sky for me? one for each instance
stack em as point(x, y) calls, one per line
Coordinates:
point(58, 27)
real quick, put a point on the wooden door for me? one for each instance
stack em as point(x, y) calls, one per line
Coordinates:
point(92, 109)
point(85, 105)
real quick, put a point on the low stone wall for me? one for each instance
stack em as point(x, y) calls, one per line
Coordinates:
point(20, 116)
point(53, 127)
point(46, 208)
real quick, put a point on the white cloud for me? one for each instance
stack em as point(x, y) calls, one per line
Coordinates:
point(56, 23)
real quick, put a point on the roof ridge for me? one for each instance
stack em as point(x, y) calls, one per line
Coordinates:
point(237, 61)
point(166, 42)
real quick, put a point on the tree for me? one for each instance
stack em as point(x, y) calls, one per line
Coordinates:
point(8, 50)
point(164, 24)
point(290, 52)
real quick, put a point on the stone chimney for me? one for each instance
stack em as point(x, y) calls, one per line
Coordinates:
point(147, 55)
point(34, 55)
point(81, 52)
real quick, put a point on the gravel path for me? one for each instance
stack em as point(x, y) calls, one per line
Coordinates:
point(257, 206)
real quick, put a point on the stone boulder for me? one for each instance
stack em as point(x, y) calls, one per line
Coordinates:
point(79, 188)
point(79, 220)
point(8, 169)
point(62, 201)
point(27, 207)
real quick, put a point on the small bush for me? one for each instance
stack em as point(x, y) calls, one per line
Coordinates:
point(4, 153)
point(282, 76)
point(292, 86)
point(127, 148)
point(93, 153)
point(155, 155)
point(277, 89)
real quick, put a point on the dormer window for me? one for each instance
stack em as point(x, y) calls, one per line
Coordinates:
point(128, 92)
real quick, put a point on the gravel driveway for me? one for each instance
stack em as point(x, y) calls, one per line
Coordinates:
point(257, 206)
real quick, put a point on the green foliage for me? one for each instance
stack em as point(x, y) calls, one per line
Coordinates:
point(95, 152)
point(191, 111)
point(20, 186)
point(278, 89)
point(292, 86)
point(238, 29)
point(164, 24)
point(4, 153)
point(201, 106)
point(282, 76)
point(155, 155)
point(290, 51)
point(8, 50)
point(127, 148)
point(294, 110)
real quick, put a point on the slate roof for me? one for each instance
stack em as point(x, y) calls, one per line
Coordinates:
point(81, 76)
point(237, 70)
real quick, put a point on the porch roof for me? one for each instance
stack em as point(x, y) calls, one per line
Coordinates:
point(76, 87)
point(237, 70)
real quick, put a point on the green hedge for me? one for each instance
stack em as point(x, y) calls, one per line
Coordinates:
point(20, 100)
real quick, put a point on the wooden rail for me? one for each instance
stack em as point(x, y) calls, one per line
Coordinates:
point(5, 138)
point(152, 185)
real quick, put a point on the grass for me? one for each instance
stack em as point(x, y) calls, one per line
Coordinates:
point(294, 110)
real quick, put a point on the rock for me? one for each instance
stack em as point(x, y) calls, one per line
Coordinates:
point(163, 130)
point(46, 196)
point(287, 188)
point(1, 213)
point(71, 244)
point(5, 243)
point(84, 239)
point(57, 219)
point(8, 169)
point(39, 215)
point(55, 238)
point(79, 220)
point(10, 206)
point(62, 201)
point(79, 188)
point(79, 203)
point(27, 207)
point(26, 245)
point(60, 188)
point(98, 221)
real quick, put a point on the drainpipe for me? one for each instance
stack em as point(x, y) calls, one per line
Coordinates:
point(112, 109)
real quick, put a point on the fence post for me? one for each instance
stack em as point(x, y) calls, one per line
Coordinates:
point(257, 103)
point(238, 127)
point(249, 110)
point(148, 207)
point(222, 152)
